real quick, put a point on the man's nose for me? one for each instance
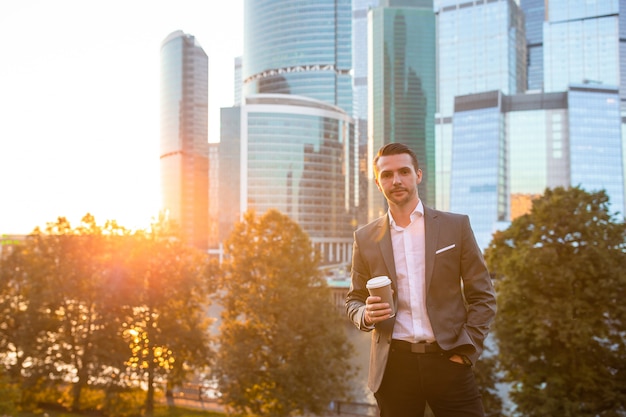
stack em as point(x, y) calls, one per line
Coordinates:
point(396, 178)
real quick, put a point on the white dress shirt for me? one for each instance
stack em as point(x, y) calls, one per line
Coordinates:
point(412, 322)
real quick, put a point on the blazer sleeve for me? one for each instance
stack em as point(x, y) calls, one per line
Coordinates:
point(357, 294)
point(477, 289)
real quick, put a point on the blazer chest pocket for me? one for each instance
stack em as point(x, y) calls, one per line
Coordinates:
point(445, 249)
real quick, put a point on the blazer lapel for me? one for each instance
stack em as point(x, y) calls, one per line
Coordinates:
point(431, 232)
point(384, 243)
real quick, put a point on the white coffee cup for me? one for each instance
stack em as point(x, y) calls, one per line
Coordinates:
point(381, 287)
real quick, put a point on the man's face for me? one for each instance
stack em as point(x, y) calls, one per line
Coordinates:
point(397, 179)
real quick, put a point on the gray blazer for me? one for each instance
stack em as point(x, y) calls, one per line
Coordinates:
point(460, 298)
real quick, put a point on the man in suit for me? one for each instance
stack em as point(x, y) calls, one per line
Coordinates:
point(443, 294)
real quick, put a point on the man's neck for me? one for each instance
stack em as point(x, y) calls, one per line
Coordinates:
point(402, 214)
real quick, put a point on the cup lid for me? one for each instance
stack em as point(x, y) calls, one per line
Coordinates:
point(378, 282)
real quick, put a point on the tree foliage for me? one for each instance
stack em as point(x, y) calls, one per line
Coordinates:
point(100, 306)
point(282, 345)
point(58, 321)
point(9, 395)
point(487, 378)
point(167, 328)
point(561, 326)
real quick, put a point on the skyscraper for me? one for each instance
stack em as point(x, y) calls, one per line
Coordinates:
point(509, 149)
point(578, 43)
point(479, 183)
point(237, 81)
point(299, 47)
point(481, 48)
point(574, 42)
point(360, 94)
point(214, 195)
point(581, 43)
point(299, 161)
point(402, 88)
point(184, 136)
point(229, 171)
point(565, 131)
point(534, 12)
point(359, 59)
point(595, 141)
point(292, 138)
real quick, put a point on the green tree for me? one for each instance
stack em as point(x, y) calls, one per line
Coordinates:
point(104, 308)
point(24, 322)
point(57, 327)
point(561, 326)
point(167, 329)
point(487, 377)
point(87, 343)
point(283, 348)
point(9, 395)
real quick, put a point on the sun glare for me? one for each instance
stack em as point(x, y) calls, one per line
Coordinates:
point(80, 132)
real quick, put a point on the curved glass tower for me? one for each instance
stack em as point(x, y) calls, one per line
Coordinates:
point(296, 131)
point(300, 161)
point(184, 136)
point(299, 47)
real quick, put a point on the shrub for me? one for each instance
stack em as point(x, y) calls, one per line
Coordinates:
point(9, 396)
point(125, 403)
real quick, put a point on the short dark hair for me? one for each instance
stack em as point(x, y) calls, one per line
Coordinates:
point(395, 149)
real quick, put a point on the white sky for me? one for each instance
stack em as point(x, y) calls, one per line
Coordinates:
point(79, 103)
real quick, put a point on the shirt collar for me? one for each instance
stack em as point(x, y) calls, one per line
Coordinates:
point(417, 211)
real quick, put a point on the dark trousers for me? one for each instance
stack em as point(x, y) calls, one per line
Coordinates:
point(413, 379)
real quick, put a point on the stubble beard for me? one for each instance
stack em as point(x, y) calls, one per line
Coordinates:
point(401, 201)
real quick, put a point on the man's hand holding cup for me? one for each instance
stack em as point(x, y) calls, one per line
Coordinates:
point(379, 306)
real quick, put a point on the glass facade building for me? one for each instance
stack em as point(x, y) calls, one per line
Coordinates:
point(585, 43)
point(479, 183)
point(360, 96)
point(534, 13)
point(402, 89)
point(229, 172)
point(299, 47)
point(300, 161)
point(581, 40)
point(184, 136)
point(595, 142)
point(237, 82)
point(214, 195)
point(294, 138)
point(509, 149)
point(481, 47)
point(538, 136)
point(359, 58)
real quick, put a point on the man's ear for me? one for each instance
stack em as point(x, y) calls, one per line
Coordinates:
point(419, 175)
